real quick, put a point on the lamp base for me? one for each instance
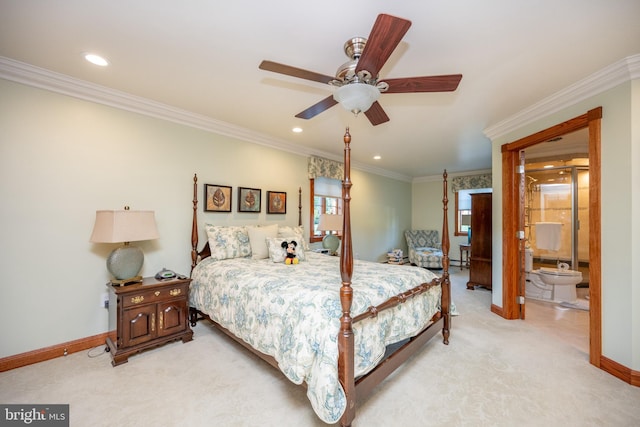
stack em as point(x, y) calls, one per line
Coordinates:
point(125, 264)
point(123, 282)
point(331, 242)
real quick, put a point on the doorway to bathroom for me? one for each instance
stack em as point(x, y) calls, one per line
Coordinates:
point(513, 222)
point(556, 225)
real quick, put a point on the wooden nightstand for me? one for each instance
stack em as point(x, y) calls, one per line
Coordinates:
point(148, 314)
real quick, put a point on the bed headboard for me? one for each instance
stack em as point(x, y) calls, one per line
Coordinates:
point(205, 252)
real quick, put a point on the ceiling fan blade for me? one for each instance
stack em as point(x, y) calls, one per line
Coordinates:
point(294, 72)
point(446, 83)
point(385, 35)
point(318, 108)
point(376, 114)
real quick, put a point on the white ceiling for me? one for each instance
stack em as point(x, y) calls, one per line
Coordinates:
point(202, 56)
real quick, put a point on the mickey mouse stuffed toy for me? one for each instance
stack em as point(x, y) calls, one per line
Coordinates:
point(290, 248)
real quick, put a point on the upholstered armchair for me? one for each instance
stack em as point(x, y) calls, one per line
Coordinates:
point(424, 248)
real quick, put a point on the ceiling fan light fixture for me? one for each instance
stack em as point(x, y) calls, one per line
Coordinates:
point(357, 81)
point(356, 97)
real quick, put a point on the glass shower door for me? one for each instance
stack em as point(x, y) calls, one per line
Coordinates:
point(552, 202)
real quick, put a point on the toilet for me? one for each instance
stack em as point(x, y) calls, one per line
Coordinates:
point(550, 284)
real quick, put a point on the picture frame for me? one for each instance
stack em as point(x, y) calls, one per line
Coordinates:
point(249, 200)
point(217, 198)
point(276, 202)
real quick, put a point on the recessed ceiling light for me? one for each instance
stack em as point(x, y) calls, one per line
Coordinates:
point(96, 59)
point(377, 157)
point(547, 166)
point(296, 130)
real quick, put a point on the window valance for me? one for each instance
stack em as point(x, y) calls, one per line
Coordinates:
point(470, 182)
point(319, 166)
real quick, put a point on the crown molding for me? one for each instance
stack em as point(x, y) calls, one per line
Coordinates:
point(438, 178)
point(620, 72)
point(42, 78)
point(615, 74)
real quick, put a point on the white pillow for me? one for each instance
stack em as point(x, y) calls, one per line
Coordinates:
point(298, 230)
point(228, 241)
point(277, 253)
point(258, 236)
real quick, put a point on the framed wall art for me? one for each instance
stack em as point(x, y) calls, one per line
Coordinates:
point(249, 199)
point(217, 198)
point(276, 202)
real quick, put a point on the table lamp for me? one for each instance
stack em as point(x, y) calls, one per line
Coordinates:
point(124, 226)
point(330, 223)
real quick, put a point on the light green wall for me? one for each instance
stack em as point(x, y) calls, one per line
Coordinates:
point(380, 212)
point(620, 210)
point(635, 226)
point(426, 211)
point(62, 158)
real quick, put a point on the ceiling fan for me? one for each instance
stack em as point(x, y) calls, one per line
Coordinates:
point(357, 80)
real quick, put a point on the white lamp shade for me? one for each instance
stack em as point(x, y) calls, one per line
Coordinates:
point(330, 222)
point(356, 97)
point(124, 226)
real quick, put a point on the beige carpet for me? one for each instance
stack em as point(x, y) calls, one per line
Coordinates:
point(495, 372)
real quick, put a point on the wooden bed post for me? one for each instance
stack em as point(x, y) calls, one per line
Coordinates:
point(446, 284)
point(346, 350)
point(299, 206)
point(194, 224)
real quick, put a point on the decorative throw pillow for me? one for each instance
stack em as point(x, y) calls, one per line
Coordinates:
point(228, 241)
point(277, 253)
point(258, 236)
point(298, 230)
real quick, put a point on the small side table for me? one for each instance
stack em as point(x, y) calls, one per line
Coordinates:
point(465, 249)
point(147, 315)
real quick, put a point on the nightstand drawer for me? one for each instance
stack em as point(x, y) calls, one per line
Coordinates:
point(151, 296)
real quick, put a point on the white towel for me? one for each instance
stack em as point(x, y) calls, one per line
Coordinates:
point(548, 235)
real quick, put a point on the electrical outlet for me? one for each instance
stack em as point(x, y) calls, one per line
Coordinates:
point(104, 300)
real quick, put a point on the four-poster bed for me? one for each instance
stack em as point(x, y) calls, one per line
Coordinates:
point(333, 342)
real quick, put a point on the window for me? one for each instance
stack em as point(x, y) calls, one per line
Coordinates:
point(326, 197)
point(463, 209)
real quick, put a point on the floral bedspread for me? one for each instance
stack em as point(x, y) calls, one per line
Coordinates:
point(292, 312)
